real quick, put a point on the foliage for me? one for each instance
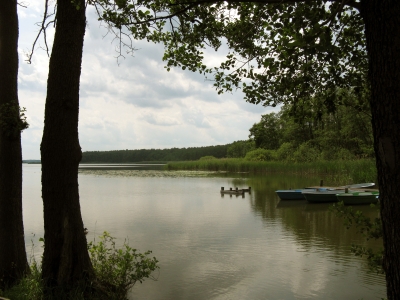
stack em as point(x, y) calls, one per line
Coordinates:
point(120, 269)
point(30, 287)
point(117, 270)
point(239, 149)
point(160, 155)
point(279, 52)
point(337, 153)
point(345, 133)
point(266, 133)
point(369, 228)
point(12, 119)
point(260, 155)
point(306, 153)
point(285, 152)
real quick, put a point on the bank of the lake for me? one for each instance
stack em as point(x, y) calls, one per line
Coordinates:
point(338, 171)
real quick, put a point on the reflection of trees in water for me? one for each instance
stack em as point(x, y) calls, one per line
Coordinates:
point(263, 199)
point(313, 226)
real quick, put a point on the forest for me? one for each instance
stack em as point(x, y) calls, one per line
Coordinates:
point(153, 155)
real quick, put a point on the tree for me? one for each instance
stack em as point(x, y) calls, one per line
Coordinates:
point(288, 49)
point(239, 149)
point(266, 132)
point(13, 262)
point(66, 260)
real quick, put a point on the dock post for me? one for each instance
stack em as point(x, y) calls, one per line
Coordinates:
point(346, 190)
point(237, 189)
point(222, 188)
point(321, 183)
point(230, 189)
point(249, 189)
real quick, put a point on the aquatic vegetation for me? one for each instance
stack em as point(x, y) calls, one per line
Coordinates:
point(148, 173)
point(346, 171)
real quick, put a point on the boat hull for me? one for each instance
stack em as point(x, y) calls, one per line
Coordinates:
point(359, 198)
point(321, 196)
point(292, 194)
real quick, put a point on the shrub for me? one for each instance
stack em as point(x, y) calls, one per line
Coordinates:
point(306, 153)
point(337, 153)
point(117, 270)
point(120, 269)
point(285, 152)
point(260, 155)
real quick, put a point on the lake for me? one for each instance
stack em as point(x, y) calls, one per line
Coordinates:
point(212, 246)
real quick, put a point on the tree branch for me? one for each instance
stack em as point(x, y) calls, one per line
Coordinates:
point(43, 27)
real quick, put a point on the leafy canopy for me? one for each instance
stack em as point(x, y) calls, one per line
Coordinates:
point(279, 52)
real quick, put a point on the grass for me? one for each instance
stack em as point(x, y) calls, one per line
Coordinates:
point(350, 171)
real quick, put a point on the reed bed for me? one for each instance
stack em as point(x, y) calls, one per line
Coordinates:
point(363, 170)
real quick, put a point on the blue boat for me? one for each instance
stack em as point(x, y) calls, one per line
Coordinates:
point(318, 195)
point(296, 194)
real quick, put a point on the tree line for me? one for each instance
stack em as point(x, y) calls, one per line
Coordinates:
point(158, 155)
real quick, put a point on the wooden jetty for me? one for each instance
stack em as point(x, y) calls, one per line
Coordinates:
point(235, 191)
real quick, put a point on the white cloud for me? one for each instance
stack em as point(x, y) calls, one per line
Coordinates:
point(132, 102)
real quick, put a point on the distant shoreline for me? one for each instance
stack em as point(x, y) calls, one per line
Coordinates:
point(31, 161)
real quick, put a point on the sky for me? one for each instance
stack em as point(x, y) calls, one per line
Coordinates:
point(131, 102)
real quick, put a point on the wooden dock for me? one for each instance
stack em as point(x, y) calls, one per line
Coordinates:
point(235, 191)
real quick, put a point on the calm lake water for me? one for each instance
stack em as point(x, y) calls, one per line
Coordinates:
point(217, 247)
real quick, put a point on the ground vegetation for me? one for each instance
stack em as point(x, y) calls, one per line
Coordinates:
point(117, 269)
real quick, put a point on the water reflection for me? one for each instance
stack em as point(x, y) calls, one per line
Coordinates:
point(220, 247)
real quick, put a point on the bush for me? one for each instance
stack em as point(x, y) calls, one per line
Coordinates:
point(117, 270)
point(260, 155)
point(306, 153)
point(29, 288)
point(120, 269)
point(337, 153)
point(285, 152)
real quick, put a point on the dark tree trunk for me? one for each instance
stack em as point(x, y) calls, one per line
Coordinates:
point(13, 262)
point(382, 27)
point(66, 261)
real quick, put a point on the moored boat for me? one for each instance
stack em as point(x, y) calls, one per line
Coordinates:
point(358, 198)
point(322, 195)
point(360, 185)
point(296, 194)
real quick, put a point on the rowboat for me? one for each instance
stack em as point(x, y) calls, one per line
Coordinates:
point(296, 194)
point(358, 198)
point(322, 195)
point(360, 185)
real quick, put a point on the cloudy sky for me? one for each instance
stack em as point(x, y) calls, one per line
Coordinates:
point(131, 103)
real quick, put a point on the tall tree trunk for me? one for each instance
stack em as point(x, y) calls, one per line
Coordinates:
point(13, 262)
point(382, 27)
point(66, 261)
